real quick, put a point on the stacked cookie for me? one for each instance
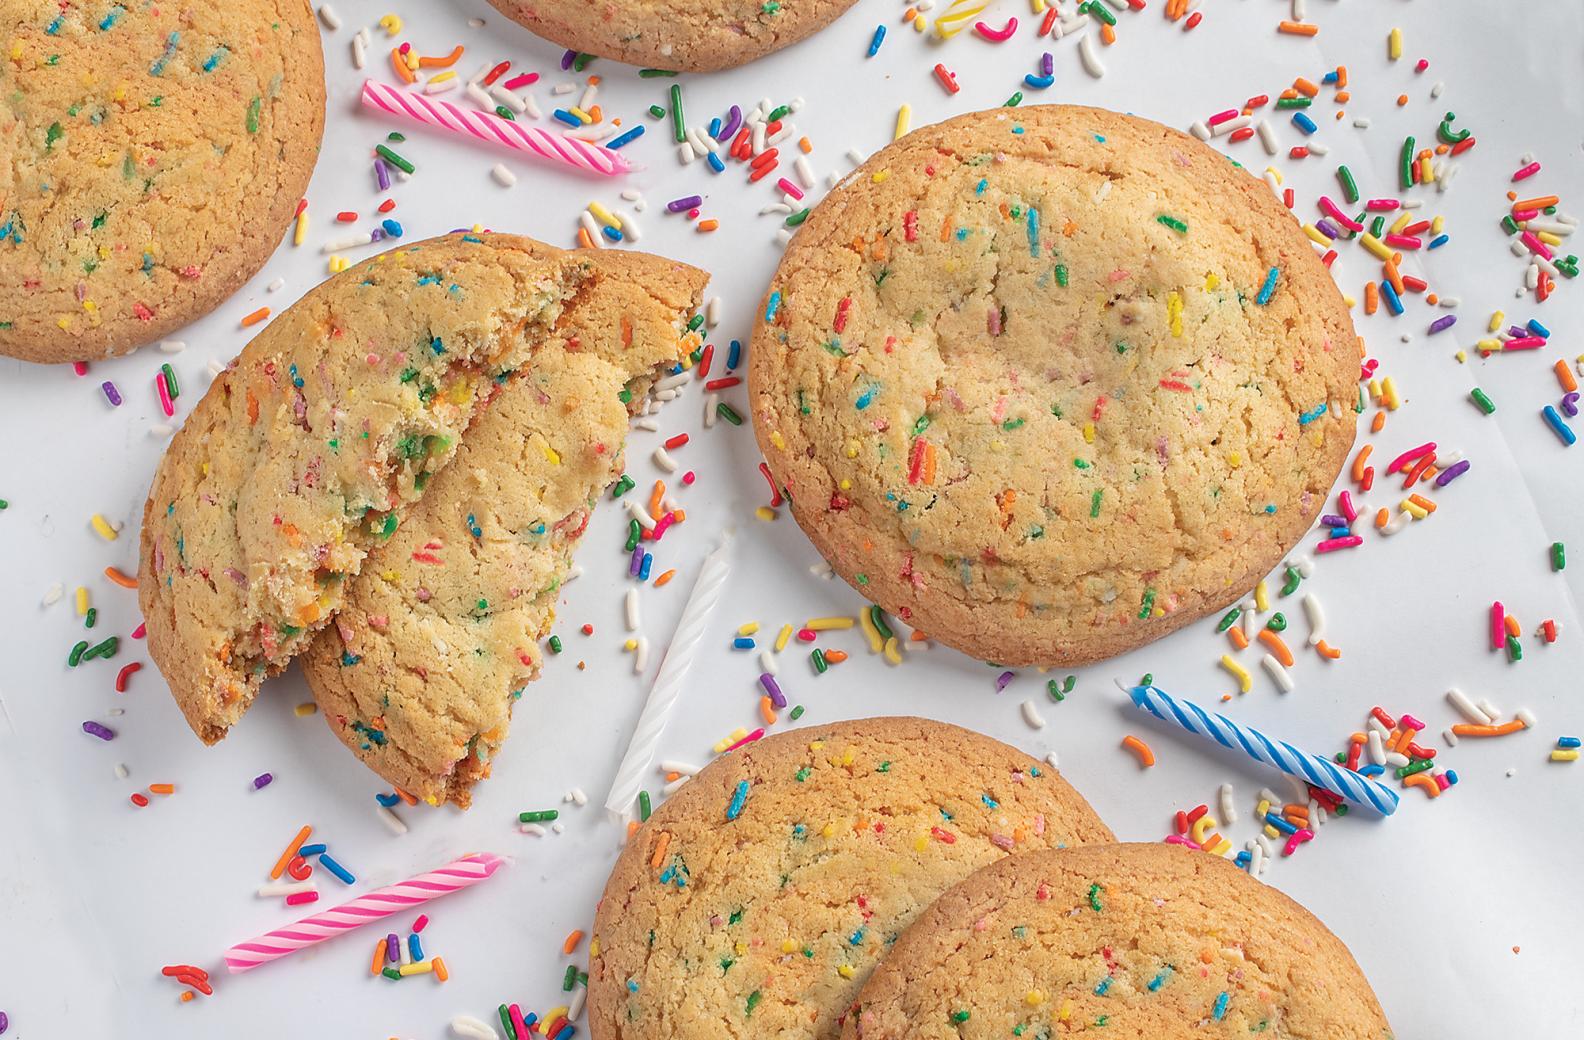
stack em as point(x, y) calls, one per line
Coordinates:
point(892, 878)
point(390, 480)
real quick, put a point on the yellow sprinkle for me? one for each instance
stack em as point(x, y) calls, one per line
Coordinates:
point(788, 946)
point(845, 484)
point(550, 453)
point(777, 440)
point(871, 633)
point(441, 77)
point(1033, 998)
point(1239, 672)
point(1271, 832)
point(337, 264)
point(556, 1012)
point(748, 629)
point(1497, 317)
point(1349, 300)
point(918, 23)
point(1374, 389)
point(1378, 249)
point(630, 645)
point(300, 233)
point(1437, 224)
point(765, 513)
point(307, 708)
point(1389, 393)
point(1088, 432)
point(417, 968)
point(880, 176)
point(82, 601)
point(845, 971)
point(782, 637)
point(1315, 235)
point(1394, 44)
point(1274, 172)
point(1066, 1010)
point(1549, 238)
point(1262, 808)
point(893, 651)
point(1401, 222)
point(1235, 459)
point(582, 116)
point(102, 526)
point(1212, 280)
point(827, 830)
point(1174, 307)
point(1462, 356)
point(825, 624)
point(921, 843)
point(1565, 755)
point(1262, 597)
point(1415, 510)
point(594, 947)
point(605, 216)
point(904, 122)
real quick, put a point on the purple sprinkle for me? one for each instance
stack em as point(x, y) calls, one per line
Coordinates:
point(773, 688)
point(1451, 473)
point(1047, 64)
point(111, 392)
point(1443, 323)
point(1333, 520)
point(1570, 403)
point(681, 205)
point(376, 235)
point(5, 1022)
point(733, 121)
point(1002, 680)
point(382, 174)
point(567, 59)
point(1518, 332)
point(392, 948)
point(262, 781)
point(1326, 228)
point(94, 729)
point(637, 561)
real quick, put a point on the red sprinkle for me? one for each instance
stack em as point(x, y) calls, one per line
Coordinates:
point(722, 384)
point(688, 478)
point(125, 674)
point(676, 442)
point(775, 492)
point(139, 799)
point(346, 216)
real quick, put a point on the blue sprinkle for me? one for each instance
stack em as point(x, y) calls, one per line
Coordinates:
point(738, 799)
point(1302, 121)
point(626, 138)
point(1157, 982)
point(415, 947)
point(54, 27)
point(1568, 742)
point(1393, 301)
point(714, 130)
point(734, 355)
point(643, 568)
point(611, 233)
point(1437, 242)
point(392, 228)
point(387, 800)
point(437, 345)
point(1269, 288)
point(1371, 770)
point(856, 939)
point(567, 117)
point(1539, 329)
point(864, 399)
point(979, 189)
point(879, 38)
point(743, 643)
point(1330, 77)
point(716, 163)
point(112, 17)
point(1033, 231)
point(1305, 418)
point(337, 869)
point(773, 305)
point(1563, 431)
point(1280, 824)
point(215, 59)
point(318, 847)
point(1038, 82)
point(1219, 1011)
point(1105, 984)
point(170, 49)
point(989, 802)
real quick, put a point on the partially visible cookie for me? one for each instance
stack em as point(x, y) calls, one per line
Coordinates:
point(684, 35)
point(151, 157)
point(1134, 942)
point(307, 450)
point(1049, 383)
point(439, 632)
point(756, 900)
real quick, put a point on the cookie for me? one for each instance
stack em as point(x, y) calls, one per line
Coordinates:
point(306, 451)
point(1139, 941)
point(154, 156)
point(684, 35)
point(1051, 382)
point(439, 632)
point(756, 900)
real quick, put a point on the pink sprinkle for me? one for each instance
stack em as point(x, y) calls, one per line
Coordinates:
point(1381, 205)
point(1409, 722)
point(1523, 343)
point(749, 739)
point(523, 80)
point(1536, 246)
point(1349, 510)
point(688, 478)
point(80, 367)
point(1404, 241)
point(1347, 541)
point(1498, 625)
point(1304, 834)
point(138, 632)
point(662, 524)
point(805, 635)
point(1527, 172)
point(1337, 215)
point(790, 188)
point(1402, 461)
point(299, 898)
point(166, 404)
point(1222, 117)
point(421, 923)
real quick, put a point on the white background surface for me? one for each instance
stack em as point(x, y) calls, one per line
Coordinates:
point(1464, 912)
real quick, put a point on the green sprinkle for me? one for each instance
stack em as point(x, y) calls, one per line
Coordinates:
point(753, 1002)
point(877, 616)
point(725, 411)
point(818, 657)
point(624, 485)
point(678, 127)
point(797, 712)
point(395, 138)
point(1296, 102)
point(652, 73)
point(53, 134)
point(1405, 163)
point(538, 816)
point(959, 1016)
point(657, 112)
point(1098, 10)
point(1014, 101)
point(555, 644)
point(1277, 623)
point(505, 113)
point(92, 617)
point(1514, 649)
point(1482, 400)
point(1349, 185)
point(506, 1022)
point(1094, 503)
point(581, 62)
point(644, 806)
point(255, 107)
point(394, 159)
point(75, 658)
point(1094, 897)
point(778, 113)
point(633, 534)
point(1179, 226)
point(1558, 556)
point(1228, 618)
point(1061, 275)
point(1418, 765)
point(569, 979)
point(1147, 605)
point(1055, 691)
point(391, 973)
point(797, 218)
point(171, 386)
point(1290, 586)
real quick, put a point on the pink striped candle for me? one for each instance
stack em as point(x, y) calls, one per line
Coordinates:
point(353, 914)
point(491, 128)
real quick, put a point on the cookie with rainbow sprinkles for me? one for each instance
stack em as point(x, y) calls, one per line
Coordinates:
point(1132, 941)
point(154, 155)
point(1050, 383)
point(758, 898)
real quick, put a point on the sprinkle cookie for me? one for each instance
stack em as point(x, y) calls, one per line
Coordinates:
point(1049, 383)
point(1137, 941)
point(153, 155)
point(756, 900)
point(684, 35)
point(307, 451)
point(440, 630)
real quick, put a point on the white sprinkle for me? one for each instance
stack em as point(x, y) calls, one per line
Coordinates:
point(531, 829)
point(161, 430)
point(710, 401)
point(786, 131)
point(563, 88)
point(1228, 811)
point(575, 572)
point(1467, 708)
point(1435, 90)
point(1238, 123)
point(1396, 759)
point(783, 237)
point(327, 15)
point(336, 245)
point(672, 765)
point(504, 177)
point(390, 820)
point(1298, 10)
point(172, 346)
point(712, 312)
point(1247, 617)
point(663, 459)
point(1199, 130)
point(1523, 716)
point(507, 98)
point(439, 86)
point(1318, 148)
point(1362, 123)
point(1090, 59)
point(632, 610)
point(768, 663)
point(671, 788)
point(469, 1028)
point(804, 172)
point(586, 103)
point(1050, 757)
point(1277, 673)
point(641, 655)
point(586, 219)
point(1031, 715)
point(671, 382)
point(1488, 708)
point(1451, 738)
point(121, 771)
point(1316, 618)
point(856, 157)
point(630, 226)
point(531, 106)
point(558, 827)
point(275, 889)
point(822, 569)
point(636, 510)
point(1071, 25)
point(1267, 137)
point(574, 1009)
point(777, 207)
point(1451, 302)
point(276, 286)
point(577, 796)
point(52, 595)
point(1396, 523)
point(631, 195)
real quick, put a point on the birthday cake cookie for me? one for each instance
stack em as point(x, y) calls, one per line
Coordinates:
point(684, 35)
point(757, 899)
point(439, 632)
point(1132, 941)
point(154, 155)
point(1050, 383)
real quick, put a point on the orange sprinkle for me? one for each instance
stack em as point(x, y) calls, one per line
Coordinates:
point(1382, 517)
point(1467, 729)
point(404, 796)
point(1358, 461)
point(291, 850)
point(584, 240)
point(441, 972)
point(665, 578)
point(805, 145)
point(1327, 650)
point(1107, 34)
point(256, 317)
point(1146, 757)
point(1564, 376)
point(679, 514)
point(187, 995)
point(1239, 640)
point(1277, 647)
point(1297, 28)
point(1542, 202)
point(632, 828)
point(1424, 780)
point(1306, 88)
point(1371, 298)
point(378, 963)
point(1341, 79)
point(1425, 504)
point(441, 63)
point(663, 843)
point(707, 226)
point(131, 583)
point(400, 65)
point(835, 656)
point(767, 711)
point(1513, 630)
point(1393, 275)
point(171, 788)
point(1402, 99)
point(673, 775)
point(655, 497)
point(574, 937)
point(1379, 422)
